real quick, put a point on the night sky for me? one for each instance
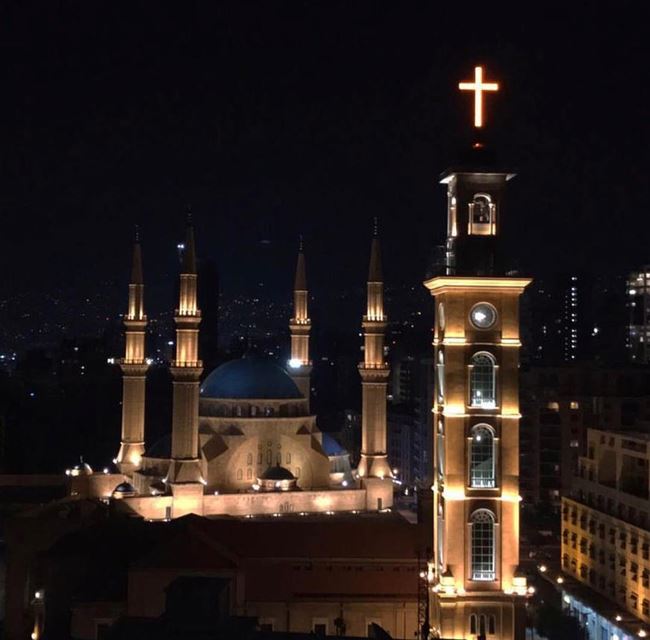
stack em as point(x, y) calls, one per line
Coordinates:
point(278, 118)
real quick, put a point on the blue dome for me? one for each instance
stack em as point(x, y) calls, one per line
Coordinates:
point(248, 378)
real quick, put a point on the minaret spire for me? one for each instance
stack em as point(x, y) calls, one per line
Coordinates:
point(134, 368)
point(300, 327)
point(373, 466)
point(184, 474)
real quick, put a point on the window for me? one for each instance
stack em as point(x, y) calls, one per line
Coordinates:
point(482, 523)
point(482, 219)
point(249, 458)
point(240, 474)
point(482, 383)
point(480, 625)
point(249, 474)
point(288, 456)
point(441, 446)
point(482, 457)
point(440, 376)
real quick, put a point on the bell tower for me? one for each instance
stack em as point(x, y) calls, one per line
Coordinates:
point(476, 589)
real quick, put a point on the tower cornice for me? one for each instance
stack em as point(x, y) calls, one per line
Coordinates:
point(444, 284)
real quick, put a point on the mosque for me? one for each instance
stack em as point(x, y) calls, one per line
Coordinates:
point(243, 441)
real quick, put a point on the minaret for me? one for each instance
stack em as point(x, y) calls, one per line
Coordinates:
point(300, 326)
point(374, 378)
point(477, 590)
point(184, 474)
point(134, 369)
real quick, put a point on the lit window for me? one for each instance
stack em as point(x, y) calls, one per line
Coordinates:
point(482, 380)
point(574, 405)
point(483, 545)
point(482, 457)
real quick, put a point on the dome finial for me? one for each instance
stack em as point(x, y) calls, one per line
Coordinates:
point(301, 244)
point(375, 227)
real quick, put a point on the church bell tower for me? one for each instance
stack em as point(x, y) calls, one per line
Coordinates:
point(476, 589)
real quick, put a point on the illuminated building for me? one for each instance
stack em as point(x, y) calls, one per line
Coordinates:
point(606, 535)
point(558, 404)
point(243, 439)
point(477, 589)
point(638, 302)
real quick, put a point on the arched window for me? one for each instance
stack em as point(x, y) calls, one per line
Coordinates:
point(249, 458)
point(481, 457)
point(472, 624)
point(440, 377)
point(240, 474)
point(249, 474)
point(482, 523)
point(482, 219)
point(440, 458)
point(288, 456)
point(482, 380)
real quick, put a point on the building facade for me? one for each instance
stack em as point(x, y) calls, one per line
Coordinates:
point(606, 530)
point(638, 303)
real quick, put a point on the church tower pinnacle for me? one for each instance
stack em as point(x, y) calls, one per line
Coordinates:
point(374, 373)
point(134, 370)
point(300, 327)
point(477, 590)
point(184, 474)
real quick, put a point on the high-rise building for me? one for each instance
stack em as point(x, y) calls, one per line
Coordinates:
point(606, 537)
point(477, 587)
point(638, 302)
point(558, 404)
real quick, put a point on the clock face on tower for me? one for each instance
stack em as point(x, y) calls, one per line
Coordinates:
point(483, 315)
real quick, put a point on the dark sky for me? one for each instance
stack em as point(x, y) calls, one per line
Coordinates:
point(278, 118)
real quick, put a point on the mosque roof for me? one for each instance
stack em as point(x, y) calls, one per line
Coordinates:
point(250, 377)
point(332, 447)
point(277, 473)
point(124, 487)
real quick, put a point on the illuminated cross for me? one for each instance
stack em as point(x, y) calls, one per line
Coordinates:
point(478, 87)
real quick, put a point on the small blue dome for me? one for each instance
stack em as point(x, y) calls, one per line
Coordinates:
point(248, 378)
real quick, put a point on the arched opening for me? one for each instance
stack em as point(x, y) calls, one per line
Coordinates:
point(482, 216)
point(482, 457)
point(440, 376)
point(482, 380)
point(482, 561)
